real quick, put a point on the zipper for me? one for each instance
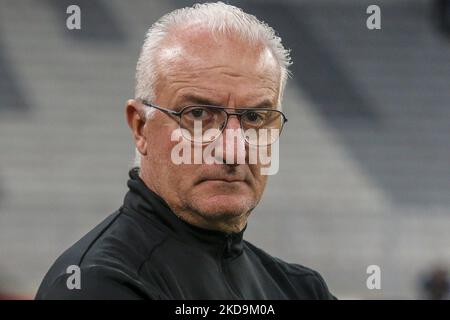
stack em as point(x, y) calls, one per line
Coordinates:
point(229, 241)
point(226, 252)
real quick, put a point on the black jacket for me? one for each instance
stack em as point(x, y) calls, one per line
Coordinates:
point(144, 251)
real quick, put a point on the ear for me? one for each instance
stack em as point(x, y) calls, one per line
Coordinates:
point(136, 121)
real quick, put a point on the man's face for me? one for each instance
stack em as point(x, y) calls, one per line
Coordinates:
point(194, 68)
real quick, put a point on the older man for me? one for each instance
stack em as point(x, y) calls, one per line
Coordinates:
point(204, 73)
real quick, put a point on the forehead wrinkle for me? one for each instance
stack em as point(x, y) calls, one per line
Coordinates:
point(186, 77)
point(178, 76)
point(186, 85)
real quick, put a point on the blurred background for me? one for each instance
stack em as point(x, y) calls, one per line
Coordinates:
point(364, 173)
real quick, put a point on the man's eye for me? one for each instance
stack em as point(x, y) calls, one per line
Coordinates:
point(197, 113)
point(253, 117)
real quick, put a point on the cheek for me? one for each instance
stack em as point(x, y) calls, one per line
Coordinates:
point(158, 153)
point(160, 146)
point(261, 181)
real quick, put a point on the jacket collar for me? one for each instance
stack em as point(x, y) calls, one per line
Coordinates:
point(144, 201)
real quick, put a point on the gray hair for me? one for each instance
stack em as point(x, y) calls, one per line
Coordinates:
point(220, 18)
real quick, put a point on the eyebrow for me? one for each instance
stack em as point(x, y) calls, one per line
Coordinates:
point(194, 99)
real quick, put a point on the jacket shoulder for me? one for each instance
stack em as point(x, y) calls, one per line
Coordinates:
point(306, 280)
point(109, 254)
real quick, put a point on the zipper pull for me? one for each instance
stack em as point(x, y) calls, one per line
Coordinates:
point(229, 238)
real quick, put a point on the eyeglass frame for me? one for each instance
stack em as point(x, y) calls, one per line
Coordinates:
point(237, 114)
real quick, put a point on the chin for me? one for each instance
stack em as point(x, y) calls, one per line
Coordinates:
point(218, 200)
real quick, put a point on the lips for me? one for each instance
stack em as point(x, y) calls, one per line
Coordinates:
point(223, 177)
point(223, 180)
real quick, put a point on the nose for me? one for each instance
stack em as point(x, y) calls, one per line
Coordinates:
point(233, 142)
point(233, 122)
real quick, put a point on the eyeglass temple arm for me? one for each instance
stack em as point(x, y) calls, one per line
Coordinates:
point(168, 111)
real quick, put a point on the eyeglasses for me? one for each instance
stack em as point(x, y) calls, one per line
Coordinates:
point(259, 126)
